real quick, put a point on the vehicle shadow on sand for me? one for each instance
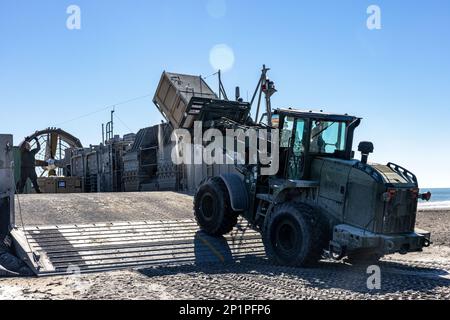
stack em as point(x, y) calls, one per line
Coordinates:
point(215, 258)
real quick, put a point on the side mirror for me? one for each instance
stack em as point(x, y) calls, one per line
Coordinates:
point(365, 148)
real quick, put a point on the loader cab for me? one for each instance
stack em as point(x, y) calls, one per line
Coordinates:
point(307, 135)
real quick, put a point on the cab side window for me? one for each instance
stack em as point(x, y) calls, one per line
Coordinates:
point(327, 137)
point(298, 139)
point(286, 133)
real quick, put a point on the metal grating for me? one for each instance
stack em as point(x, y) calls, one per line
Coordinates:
point(113, 246)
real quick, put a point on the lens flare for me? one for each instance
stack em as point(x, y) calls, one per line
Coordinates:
point(221, 57)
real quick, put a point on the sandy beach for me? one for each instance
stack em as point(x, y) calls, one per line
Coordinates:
point(424, 275)
point(438, 222)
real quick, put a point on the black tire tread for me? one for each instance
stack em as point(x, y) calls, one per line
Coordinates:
point(313, 222)
point(230, 217)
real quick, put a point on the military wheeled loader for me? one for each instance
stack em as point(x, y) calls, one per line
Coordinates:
point(321, 200)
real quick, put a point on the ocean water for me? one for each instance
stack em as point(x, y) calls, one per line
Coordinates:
point(440, 199)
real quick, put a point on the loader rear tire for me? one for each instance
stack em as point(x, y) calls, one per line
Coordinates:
point(213, 209)
point(293, 235)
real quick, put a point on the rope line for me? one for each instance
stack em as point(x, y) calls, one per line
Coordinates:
point(123, 123)
point(103, 109)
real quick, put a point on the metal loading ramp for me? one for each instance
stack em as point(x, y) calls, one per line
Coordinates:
point(65, 249)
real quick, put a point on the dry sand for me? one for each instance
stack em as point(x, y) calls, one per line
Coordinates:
point(423, 275)
point(438, 222)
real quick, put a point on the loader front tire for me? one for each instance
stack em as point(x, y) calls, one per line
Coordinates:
point(292, 236)
point(212, 208)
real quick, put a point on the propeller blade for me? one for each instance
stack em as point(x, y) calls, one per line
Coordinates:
point(53, 144)
point(40, 163)
point(48, 150)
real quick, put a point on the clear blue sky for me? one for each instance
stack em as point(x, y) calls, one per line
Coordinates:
point(321, 53)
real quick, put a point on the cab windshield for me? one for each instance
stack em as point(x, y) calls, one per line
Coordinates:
point(327, 137)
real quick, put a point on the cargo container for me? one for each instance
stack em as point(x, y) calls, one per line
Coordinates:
point(174, 94)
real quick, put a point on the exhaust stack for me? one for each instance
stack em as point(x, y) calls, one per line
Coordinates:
point(365, 148)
